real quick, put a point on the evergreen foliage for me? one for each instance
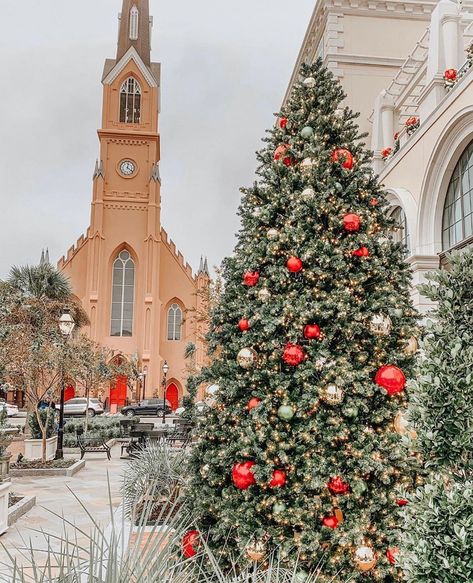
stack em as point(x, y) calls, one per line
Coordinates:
point(348, 277)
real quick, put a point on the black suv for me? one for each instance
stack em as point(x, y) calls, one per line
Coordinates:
point(148, 407)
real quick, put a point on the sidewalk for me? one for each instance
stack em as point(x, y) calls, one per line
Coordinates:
point(89, 485)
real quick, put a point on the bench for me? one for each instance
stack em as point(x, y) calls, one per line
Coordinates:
point(93, 445)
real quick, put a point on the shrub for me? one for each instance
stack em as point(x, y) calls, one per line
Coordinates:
point(98, 427)
point(34, 427)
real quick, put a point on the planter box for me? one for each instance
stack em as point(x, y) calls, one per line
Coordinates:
point(16, 511)
point(4, 491)
point(68, 472)
point(34, 448)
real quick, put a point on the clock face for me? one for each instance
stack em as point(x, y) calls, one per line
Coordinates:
point(127, 167)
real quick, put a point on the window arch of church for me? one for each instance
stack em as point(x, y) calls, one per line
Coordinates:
point(174, 332)
point(457, 224)
point(400, 233)
point(130, 101)
point(123, 295)
point(134, 23)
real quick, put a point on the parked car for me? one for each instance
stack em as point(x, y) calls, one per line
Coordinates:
point(78, 406)
point(148, 407)
point(12, 410)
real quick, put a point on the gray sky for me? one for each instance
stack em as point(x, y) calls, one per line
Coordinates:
point(225, 69)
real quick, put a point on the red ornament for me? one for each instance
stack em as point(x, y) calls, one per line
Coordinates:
point(330, 521)
point(312, 331)
point(374, 202)
point(392, 554)
point(391, 378)
point(294, 264)
point(450, 75)
point(402, 502)
point(281, 151)
point(338, 486)
point(253, 403)
point(282, 123)
point(244, 325)
point(386, 153)
point(293, 354)
point(279, 479)
point(361, 252)
point(344, 156)
point(412, 121)
point(396, 136)
point(288, 161)
point(242, 475)
point(351, 223)
point(189, 541)
point(251, 278)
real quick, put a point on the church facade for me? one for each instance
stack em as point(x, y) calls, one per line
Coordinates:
point(140, 294)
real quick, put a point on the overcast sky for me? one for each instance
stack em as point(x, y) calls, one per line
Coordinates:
point(225, 69)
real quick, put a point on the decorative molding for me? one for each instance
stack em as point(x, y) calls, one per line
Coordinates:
point(130, 55)
point(126, 207)
point(155, 175)
point(126, 196)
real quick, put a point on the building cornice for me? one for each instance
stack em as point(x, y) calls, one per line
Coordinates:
point(127, 135)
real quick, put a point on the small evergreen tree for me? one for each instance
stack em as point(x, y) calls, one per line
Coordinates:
point(438, 545)
point(310, 353)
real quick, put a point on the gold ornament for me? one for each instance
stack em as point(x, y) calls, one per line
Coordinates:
point(412, 346)
point(332, 394)
point(365, 559)
point(246, 357)
point(306, 165)
point(381, 325)
point(264, 294)
point(401, 425)
point(308, 194)
point(272, 234)
point(255, 551)
point(338, 514)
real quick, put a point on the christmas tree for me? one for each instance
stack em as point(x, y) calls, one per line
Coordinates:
point(438, 543)
point(312, 345)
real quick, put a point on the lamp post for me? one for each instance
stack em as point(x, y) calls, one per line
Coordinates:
point(66, 326)
point(165, 374)
point(143, 374)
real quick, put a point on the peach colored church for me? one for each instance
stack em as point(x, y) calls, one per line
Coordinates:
point(136, 287)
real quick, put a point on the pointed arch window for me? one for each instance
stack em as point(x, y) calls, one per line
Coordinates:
point(174, 322)
point(123, 295)
point(134, 23)
point(130, 101)
point(400, 233)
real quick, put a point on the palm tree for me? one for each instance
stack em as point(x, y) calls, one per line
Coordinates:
point(40, 282)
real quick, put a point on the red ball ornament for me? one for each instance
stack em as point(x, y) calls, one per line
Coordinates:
point(242, 475)
point(330, 521)
point(338, 486)
point(279, 479)
point(244, 325)
point(293, 354)
point(391, 378)
point(189, 543)
point(312, 331)
point(280, 151)
point(282, 123)
point(392, 554)
point(374, 202)
point(361, 252)
point(344, 156)
point(294, 264)
point(450, 75)
point(402, 502)
point(253, 403)
point(288, 161)
point(351, 223)
point(251, 278)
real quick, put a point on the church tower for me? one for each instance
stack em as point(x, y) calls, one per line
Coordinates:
point(137, 289)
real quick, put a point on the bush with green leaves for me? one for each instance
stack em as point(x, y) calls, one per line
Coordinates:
point(45, 416)
point(98, 427)
point(438, 539)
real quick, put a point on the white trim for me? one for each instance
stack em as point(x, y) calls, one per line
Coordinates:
point(134, 22)
point(131, 54)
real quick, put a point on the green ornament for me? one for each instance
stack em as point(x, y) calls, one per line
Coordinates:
point(359, 487)
point(285, 412)
point(398, 312)
point(279, 508)
point(351, 412)
point(307, 132)
point(301, 576)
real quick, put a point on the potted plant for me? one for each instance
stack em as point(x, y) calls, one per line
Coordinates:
point(42, 443)
point(6, 437)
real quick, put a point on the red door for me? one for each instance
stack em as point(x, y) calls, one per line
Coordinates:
point(118, 391)
point(172, 395)
point(69, 393)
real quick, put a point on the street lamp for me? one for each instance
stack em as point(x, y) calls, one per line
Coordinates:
point(66, 326)
point(165, 374)
point(143, 383)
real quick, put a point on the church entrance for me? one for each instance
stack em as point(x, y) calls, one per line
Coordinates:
point(118, 391)
point(172, 395)
point(69, 392)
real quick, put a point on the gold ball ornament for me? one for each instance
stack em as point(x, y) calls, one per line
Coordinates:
point(246, 357)
point(272, 234)
point(332, 394)
point(401, 425)
point(264, 294)
point(255, 551)
point(306, 165)
point(381, 325)
point(412, 346)
point(365, 559)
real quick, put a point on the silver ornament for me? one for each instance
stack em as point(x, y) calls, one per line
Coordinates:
point(308, 193)
point(381, 325)
point(264, 294)
point(246, 357)
point(309, 82)
point(332, 394)
point(272, 234)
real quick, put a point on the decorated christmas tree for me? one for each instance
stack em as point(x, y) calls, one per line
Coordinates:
point(313, 341)
point(438, 540)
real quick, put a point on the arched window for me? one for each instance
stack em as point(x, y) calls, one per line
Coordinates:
point(458, 211)
point(130, 101)
point(174, 322)
point(400, 233)
point(123, 292)
point(134, 22)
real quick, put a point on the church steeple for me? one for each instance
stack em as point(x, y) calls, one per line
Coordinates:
point(135, 29)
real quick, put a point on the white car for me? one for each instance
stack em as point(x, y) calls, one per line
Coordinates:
point(79, 406)
point(12, 410)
